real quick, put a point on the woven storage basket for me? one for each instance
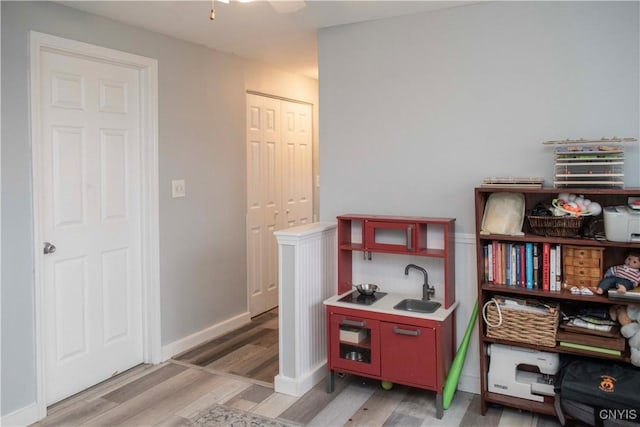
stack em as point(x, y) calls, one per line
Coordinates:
point(556, 226)
point(522, 326)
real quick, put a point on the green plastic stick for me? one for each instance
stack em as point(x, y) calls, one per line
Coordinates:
point(458, 362)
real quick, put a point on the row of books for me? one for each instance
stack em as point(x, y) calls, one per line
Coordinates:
point(527, 265)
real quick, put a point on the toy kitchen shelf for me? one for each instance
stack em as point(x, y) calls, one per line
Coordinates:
point(376, 340)
point(612, 253)
point(400, 235)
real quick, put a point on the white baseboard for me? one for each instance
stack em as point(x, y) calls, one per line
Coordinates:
point(22, 417)
point(299, 386)
point(214, 331)
point(469, 383)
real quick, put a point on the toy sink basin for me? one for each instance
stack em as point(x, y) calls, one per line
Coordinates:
point(417, 305)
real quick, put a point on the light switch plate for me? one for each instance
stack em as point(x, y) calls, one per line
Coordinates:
point(178, 188)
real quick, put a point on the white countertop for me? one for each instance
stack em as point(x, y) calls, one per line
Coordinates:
point(386, 303)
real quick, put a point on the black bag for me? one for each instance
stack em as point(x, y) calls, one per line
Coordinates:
point(609, 390)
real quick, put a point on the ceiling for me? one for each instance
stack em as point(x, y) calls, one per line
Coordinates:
point(280, 33)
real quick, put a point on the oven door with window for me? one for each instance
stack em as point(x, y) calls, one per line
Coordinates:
point(354, 344)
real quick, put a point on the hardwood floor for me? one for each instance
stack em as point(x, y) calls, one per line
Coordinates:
point(232, 371)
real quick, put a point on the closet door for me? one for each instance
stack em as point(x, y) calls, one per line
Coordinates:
point(297, 192)
point(263, 201)
point(279, 187)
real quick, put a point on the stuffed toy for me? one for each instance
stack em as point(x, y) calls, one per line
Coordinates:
point(622, 278)
point(628, 316)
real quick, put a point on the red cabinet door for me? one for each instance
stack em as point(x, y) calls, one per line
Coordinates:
point(354, 344)
point(399, 237)
point(408, 354)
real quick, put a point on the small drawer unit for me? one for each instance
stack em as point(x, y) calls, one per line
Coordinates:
point(582, 265)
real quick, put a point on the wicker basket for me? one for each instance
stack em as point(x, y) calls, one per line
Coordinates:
point(556, 226)
point(531, 327)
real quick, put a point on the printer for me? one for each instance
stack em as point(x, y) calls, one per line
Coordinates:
point(622, 223)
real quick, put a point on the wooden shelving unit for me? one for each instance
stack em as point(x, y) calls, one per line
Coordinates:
point(613, 254)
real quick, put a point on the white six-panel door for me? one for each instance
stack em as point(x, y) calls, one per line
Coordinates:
point(279, 187)
point(90, 210)
point(297, 191)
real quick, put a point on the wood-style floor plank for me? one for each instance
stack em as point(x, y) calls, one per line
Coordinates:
point(173, 421)
point(77, 413)
point(378, 408)
point(417, 403)
point(511, 417)
point(274, 405)
point(262, 365)
point(250, 398)
point(226, 389)
point(98, 390)
point(143, 384)
point(339, 410)
point(400, 419)
point(216, 349)
point(169, 404)
point(119, 415)
point(229, 362)
point(472, 418)
point(452, 416)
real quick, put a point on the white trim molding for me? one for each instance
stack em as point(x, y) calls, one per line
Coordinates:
point(22, 417)
point(148, 69)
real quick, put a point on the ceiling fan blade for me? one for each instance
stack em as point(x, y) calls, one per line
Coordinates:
point(287, 6)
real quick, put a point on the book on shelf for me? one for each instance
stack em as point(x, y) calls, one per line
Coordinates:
point(509, 264)
point(592, 348)
point(536, 266)
point(528, 250)
point(512, 273)
point(503, 262)
point(546, 251)
point(558, 278)
point(519, 265)
point(552, 268)
point(490, 262)
point(499, 263)
point(485, 260)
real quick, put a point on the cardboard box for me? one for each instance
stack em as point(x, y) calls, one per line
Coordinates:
point(352, 335)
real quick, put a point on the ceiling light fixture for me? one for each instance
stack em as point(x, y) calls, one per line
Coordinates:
point(212, 15)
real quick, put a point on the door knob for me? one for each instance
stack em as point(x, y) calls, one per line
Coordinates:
point(49, 248)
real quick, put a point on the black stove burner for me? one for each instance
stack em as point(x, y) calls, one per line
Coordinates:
point(356, 297)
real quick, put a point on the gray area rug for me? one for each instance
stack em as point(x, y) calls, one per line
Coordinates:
point(219, 415)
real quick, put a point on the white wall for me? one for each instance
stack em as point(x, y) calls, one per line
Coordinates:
point(417, 110)
point(201, 139)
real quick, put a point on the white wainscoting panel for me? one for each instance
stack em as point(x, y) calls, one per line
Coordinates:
point(308, 276)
